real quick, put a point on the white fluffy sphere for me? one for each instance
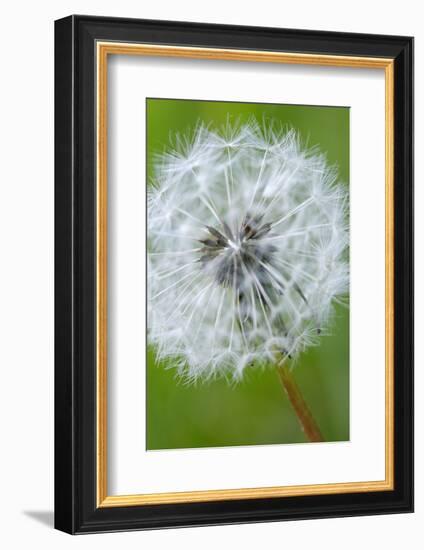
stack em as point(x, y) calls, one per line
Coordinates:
point(247, 238)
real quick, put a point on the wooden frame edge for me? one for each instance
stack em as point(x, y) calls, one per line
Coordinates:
point(103, 49)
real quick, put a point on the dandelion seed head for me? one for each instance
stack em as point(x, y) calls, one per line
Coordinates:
point(247, 237)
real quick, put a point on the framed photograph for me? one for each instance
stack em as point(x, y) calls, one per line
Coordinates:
point(234, 274)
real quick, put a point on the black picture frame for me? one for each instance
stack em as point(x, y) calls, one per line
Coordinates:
point(76, 508)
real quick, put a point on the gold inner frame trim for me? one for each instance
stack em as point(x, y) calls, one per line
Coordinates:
point(103, 50)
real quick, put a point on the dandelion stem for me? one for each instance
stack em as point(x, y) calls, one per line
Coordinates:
point(304, 415)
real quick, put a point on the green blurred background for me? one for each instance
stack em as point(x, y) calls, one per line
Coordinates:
point(255, 411)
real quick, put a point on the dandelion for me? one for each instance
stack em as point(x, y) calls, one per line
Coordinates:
point(247, 236)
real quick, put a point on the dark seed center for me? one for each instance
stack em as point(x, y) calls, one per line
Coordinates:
point(234, 257)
